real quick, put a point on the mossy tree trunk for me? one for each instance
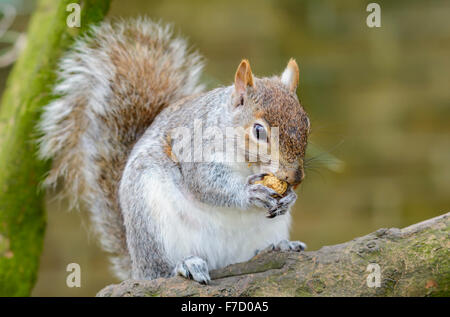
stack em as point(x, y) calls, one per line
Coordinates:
point(22, 218)
point(414, 261)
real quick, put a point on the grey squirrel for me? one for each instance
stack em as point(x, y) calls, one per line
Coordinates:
point(122, 88)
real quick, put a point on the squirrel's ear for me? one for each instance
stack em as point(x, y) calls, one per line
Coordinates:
point(290, 76)
point(243, 78)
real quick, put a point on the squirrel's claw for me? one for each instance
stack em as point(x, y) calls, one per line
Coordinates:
point(193, 268)
point(283, 205)
point(257, 177)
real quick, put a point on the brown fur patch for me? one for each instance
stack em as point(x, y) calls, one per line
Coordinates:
point(259, 114)
point(281, 108)
point(168, 149)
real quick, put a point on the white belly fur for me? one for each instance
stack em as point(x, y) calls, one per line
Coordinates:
point(220, 236)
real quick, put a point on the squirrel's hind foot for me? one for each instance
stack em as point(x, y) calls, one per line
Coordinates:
point(284, 245)
point(193, 268)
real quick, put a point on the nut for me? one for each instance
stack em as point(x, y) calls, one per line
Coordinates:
point(273, 182)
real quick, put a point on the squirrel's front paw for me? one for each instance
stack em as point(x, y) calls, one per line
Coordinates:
point(260, 195)
point(193, 268)
point(283, 204)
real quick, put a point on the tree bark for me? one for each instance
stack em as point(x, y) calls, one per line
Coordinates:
point(22, 218)
point(413, 261)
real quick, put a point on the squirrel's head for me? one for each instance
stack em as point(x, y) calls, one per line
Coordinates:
point(275, 123)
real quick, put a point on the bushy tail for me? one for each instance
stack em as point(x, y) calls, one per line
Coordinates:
point(112, 84)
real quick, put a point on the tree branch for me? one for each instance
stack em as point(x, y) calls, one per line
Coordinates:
point(413, 261)
point(22, 218)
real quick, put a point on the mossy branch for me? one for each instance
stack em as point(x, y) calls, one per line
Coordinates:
point(413, 261)
point(22, 219)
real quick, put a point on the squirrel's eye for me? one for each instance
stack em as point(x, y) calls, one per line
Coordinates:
point(260, 132)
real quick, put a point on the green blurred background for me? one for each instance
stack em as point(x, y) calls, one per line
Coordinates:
point(378, 99)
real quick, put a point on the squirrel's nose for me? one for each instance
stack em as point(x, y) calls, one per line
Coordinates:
point(291, 176)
